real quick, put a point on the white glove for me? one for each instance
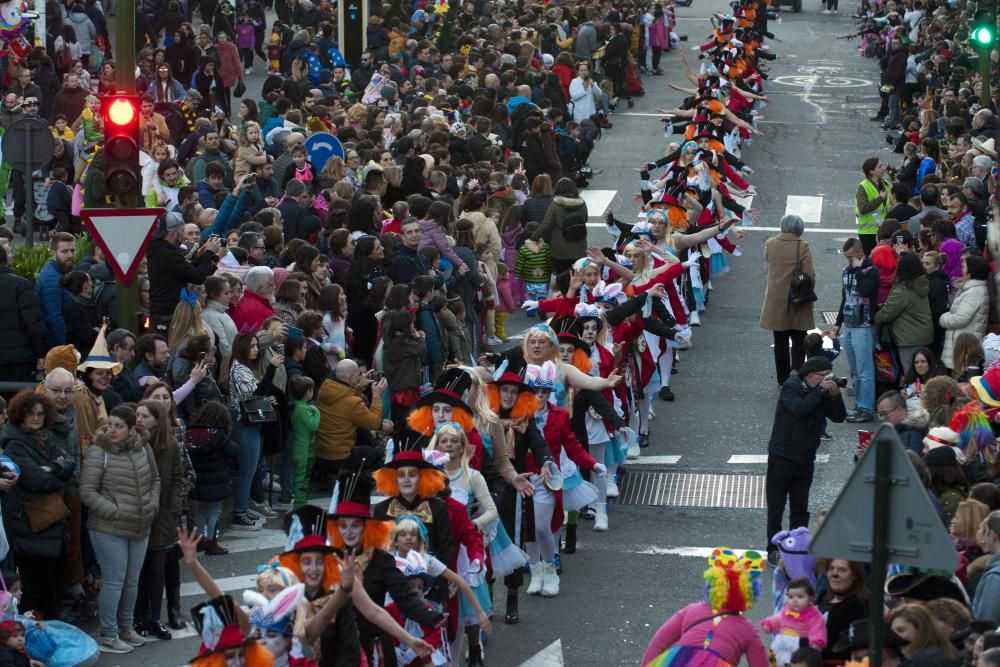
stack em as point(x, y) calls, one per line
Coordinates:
point(529, 305)
point(692, 260)
point(600, 469)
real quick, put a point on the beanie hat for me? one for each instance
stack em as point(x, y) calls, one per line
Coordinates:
point(941, 456)
point(816, 364)
point(62, 356)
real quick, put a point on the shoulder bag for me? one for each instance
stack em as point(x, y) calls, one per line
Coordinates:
point(802, 289)
point(256, 410)
point(45, 512)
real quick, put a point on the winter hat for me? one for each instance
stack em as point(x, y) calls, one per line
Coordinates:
point(941, 456)
point(548, 60)
point(817, 364)
point(62, 356)
point(940, 436)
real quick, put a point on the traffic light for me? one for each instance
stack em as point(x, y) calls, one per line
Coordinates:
point(984, 29)
point(120, 114)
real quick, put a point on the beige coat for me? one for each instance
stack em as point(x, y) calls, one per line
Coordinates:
point(120, 486)
point(777, 314)
point(969, 313)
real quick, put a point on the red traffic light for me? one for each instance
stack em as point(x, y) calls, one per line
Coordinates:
point(122, 111)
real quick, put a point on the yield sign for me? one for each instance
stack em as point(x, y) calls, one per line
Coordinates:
point(122, 235)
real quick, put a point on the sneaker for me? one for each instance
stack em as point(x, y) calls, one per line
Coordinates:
point(131, 637)
point(113, 645)
point(264, 509)
point(256, 518)
point(612, 488)
point(860, 417)
point(493, 340)
point(826, 11)
point(643, 440)
point(283, 504)
point(243, 521)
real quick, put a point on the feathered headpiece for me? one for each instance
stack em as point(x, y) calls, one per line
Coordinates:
point(733, 581)
point(974, 433)
point(541, 377)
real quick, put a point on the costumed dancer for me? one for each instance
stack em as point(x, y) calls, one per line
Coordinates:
point(553, 422)
point(714, 633)
point(353, 529)
point(449, 402)
point(414, 568)
point(273, 622)
point(468, 487)
point(516, 403)
point(223, 641)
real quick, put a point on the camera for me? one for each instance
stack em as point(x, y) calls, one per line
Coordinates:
point(840, 382)
point(377, 375)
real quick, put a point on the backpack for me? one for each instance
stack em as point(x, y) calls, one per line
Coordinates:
point(574, 226)
point(64, 58)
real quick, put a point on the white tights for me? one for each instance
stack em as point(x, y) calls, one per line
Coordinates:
point(544, 546)
point(601, 481)
point(666, 364)
point(642, 405)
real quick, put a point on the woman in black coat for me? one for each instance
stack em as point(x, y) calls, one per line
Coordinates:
point(80, 311)
point(938, 295)
point(616, 61)
point(213, 454)
point(366, 287)
point(208, 82)
point(44, 469)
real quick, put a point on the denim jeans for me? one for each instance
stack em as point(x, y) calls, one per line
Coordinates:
point(121, 562)
point(860, 345)
point(287, 476)
point(247, 436)
point(207, 517)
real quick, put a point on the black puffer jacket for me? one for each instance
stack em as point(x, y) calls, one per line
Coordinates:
point(31, 455)
point(169, 271)
point(24, 338)
point(213, 456)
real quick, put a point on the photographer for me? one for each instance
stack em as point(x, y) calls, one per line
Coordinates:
point(169, 270)
point(805, 401)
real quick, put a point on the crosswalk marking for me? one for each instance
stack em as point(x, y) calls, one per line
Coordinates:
point(668, 459)
point(738, 459)
point(683, 552)
point(809, 230)
point(227, 584)
point(597, 201)
point(810, 209)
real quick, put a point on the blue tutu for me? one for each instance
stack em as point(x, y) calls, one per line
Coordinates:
point(577, 492)
point(505, 556)
point(59, 644)
point(718, 265)
point(616, 451)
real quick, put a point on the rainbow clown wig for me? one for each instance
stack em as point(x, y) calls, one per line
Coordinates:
point(975, 436)
point(733, 581)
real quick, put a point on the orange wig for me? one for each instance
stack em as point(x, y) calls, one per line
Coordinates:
point(375, 536)
point(582, 361)
point(255, 656)
point(421, 420)
point(331, 575)
point(678, 217)
point(430, 484)
point(526, 405)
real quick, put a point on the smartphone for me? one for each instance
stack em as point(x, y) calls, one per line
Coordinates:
point(899, 240)
point(201, 357)
point(251, 179)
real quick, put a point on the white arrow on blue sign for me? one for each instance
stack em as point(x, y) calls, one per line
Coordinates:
point(322, 146)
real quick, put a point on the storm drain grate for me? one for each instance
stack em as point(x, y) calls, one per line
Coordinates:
point(830, 316)
point(692, 490)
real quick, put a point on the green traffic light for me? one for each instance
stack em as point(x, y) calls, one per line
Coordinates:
point(983, 36)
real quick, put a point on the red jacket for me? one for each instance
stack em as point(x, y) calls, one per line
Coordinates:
point(251, 311)
point(666, 278)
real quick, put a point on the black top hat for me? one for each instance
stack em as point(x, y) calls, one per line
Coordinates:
point(409, 450)
point(354, 496)
point(922, 586)
point(857, 636)
point(452, 388)
point(568, 330)
point(231, 636)
point(312, 520)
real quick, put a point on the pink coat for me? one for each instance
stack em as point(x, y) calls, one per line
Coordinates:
point(505, 302)
point(658, 36)
point(230, 68)
point(733, 638)
point(807, 623)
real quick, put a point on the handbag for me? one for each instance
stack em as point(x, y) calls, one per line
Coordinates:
point(257, 410)
point(240, 89)
point(888, 368)
point(45, 512)
point(802, 289)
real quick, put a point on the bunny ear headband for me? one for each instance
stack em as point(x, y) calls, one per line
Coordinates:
point(606, 293)
point(413, 565)
point(541, 377)
point(587, 310)
point(275, 614)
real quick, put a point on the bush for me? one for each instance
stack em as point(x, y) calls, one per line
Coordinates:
point(28, 262)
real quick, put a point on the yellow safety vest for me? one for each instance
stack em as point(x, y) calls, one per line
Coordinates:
point(869, 222)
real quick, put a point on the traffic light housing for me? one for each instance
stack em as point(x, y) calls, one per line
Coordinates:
point(120, 113)
point(983, 34)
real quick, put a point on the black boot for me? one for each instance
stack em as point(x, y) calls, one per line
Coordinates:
point(476, 656)
point(570, 547)
point(512, 617)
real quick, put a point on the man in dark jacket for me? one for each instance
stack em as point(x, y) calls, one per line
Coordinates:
point(806, 401)
point(169, 270)
point(891, 408)
point(407, 262)
point(23, 345)
point(298, 220)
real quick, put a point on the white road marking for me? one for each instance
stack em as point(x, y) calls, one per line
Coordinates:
point(239, 541)
point(683, 552)
point(809, 230)
point(668, 460)
point(597, 201)
point(550, 656)
point(762, 458)
point(810, 209)
point(227, 584)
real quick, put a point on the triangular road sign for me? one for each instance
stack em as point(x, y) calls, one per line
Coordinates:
point(916, 536)
point(550, 656)
point(122, 235)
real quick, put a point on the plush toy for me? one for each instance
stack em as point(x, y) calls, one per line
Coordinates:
point(795, 557)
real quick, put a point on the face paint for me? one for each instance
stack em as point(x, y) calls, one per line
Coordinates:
point(351, 530)
point(312, 569)
point(406, 479)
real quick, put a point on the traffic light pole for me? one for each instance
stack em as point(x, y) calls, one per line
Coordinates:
point(985, 71)
point(127, 295)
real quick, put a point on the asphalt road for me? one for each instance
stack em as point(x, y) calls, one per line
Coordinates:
point(621, 585)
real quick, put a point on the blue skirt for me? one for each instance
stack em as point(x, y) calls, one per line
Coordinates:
point(466, 613)
point(505, 556)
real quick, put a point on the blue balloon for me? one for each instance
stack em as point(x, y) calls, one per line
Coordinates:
point(321, 146)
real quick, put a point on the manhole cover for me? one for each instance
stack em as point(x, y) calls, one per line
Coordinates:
point(693, 490)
